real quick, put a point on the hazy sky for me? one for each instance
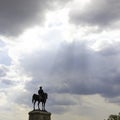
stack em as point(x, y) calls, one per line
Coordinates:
point(70, 47)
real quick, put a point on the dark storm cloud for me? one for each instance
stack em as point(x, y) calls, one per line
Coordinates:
point(17, 15)
point(102, 13)
point(74, 69)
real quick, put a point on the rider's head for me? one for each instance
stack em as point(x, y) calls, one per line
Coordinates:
point(40, 87)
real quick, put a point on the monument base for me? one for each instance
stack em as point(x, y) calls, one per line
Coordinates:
point(39, 115)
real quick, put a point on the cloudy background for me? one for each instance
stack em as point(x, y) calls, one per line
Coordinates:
point(70, 47)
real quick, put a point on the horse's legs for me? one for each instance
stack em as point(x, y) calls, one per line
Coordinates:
point(34, 105)
point(43, 106)
point(38, 105)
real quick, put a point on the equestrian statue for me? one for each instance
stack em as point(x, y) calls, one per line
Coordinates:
point(40, 97)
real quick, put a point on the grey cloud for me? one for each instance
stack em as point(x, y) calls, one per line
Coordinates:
point(3, 70)
point(58, 109)
point(2, 44)
point(4, 57)
point(24, 98)
point(74, 69)
point(102, 13)
point(115, 100)
point(2, 73)
point(61, 99)
point(7, 82)
point(17, 15)
point(111, 49)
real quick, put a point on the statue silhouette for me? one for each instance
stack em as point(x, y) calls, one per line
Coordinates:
point(41, 97)
point(40, 91)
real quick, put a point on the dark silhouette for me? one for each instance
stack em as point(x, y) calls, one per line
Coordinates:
point(42, 97)
point(114, 117)
point(40, 91)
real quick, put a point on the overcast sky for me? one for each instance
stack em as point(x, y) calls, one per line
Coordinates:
point(70, 47)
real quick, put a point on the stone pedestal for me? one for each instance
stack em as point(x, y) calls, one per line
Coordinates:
point(39, 115)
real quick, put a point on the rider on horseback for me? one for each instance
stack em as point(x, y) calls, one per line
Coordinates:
point(41, 97)
point(41, 92)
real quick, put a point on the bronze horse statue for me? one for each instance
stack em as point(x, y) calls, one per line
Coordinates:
point(39, 98)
